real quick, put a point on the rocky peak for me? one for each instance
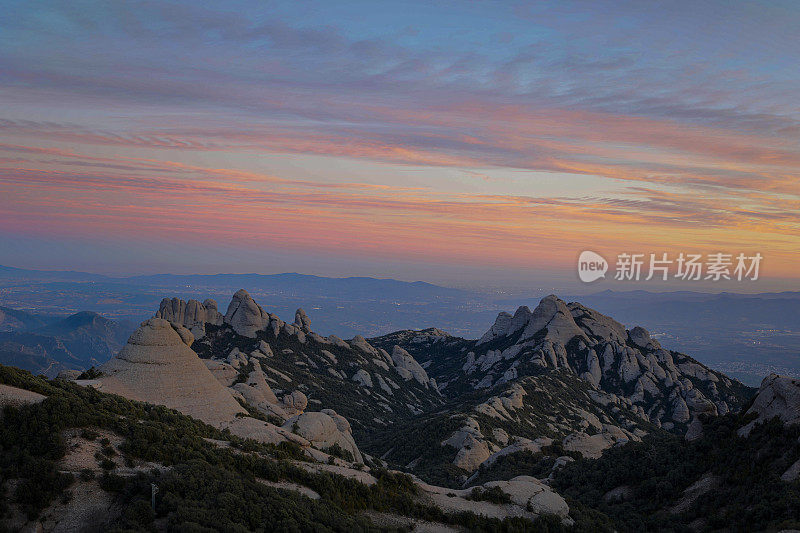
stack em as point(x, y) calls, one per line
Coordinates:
point(641, 338)
point(552, 315)
point(193, 315)
point(409, 368)
point(777, 396)
point(597, 325)
point(160, 332)
point(245, 316)
point(302, 321)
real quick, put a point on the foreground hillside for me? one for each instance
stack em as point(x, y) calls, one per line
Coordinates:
point(72, 457)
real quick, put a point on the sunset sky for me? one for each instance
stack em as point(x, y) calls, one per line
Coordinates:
point(447, 141)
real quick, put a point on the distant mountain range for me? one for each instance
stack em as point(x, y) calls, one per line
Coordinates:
point(47, 345)
point(745, 335)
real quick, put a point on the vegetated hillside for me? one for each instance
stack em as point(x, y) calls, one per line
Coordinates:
point(719, 482)
point(37, 353)
point(89, 336)
point(206, 479)
point(16, 320)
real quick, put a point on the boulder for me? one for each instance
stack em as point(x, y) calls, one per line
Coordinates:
point(295, 402)
point(245, 316)
point(530, 493)
point(225, 373)
point(472, 447)
point(257, 392)
point(323, 430)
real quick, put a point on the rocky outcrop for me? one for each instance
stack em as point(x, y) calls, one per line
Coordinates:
point(529, 497)
point(530, 493)
point(16, 397)
point(257, 392)
point(245, 316)
point(158, 366)
point(666, 388)
point(409, 368)
point(473, 449)
point(500, 328)
point(778, 396)
point(325, 429)
point(592, 446)
point(294, 403)
point(302, 321)
point(192, 315)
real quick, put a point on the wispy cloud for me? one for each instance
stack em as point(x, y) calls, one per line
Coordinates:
point(115, 117)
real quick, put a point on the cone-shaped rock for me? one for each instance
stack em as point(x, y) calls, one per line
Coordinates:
point(158, 366)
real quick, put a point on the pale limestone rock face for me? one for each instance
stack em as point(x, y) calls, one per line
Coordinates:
point(295, 402)
point(471, 446)
point(158, 366)
point(595, 373)
point(408, 368)
point(252, 428)
point(592, 446)
point(257, 392)
point(336, 341)
point(245, 316)
point(224, 372)
point(265, 349)
point(192, 315)
point(530, 493)
point(324, 429)
point(360, 342)
point(522, 316)
point(500, 436)
point(778, 396)
point(695, 430)
point(680, 411)
point(641, 338)
point(519, 445)
point(302, 321)
point(363, 378)
point(16, 397)
point(598, 325)
point(553, 314)
point(499, 329)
